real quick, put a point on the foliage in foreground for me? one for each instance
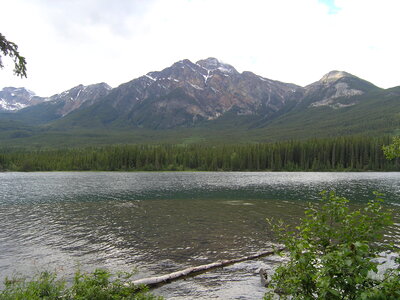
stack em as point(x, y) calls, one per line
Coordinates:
point(393, 150)
point(331, 253)
point(99, 285)
point(8, 48)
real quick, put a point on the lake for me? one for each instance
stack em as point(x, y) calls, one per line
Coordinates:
point(158, 223)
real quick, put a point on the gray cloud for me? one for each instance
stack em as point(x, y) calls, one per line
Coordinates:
point(68, 17)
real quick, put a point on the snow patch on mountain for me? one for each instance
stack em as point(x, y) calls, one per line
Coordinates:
point(196, 86)
point(152, 78)
point(4, 105)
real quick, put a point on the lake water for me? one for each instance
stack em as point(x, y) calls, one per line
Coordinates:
point(158, 223)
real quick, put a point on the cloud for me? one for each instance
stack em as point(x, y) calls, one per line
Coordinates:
point(68, 42)
point(69, 17)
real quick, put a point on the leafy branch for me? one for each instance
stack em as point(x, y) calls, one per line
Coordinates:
point(10, 49)
point(331, 253)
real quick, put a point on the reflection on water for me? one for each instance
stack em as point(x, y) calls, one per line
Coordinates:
point(161, 222)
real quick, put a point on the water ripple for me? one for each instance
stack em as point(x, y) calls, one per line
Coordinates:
point(162, 221)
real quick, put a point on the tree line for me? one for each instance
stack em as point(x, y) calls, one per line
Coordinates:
point(339, 154)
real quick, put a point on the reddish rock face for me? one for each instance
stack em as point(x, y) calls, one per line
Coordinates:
point(204, 90)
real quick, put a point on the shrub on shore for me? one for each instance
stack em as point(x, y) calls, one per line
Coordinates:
point(99, 285)
point(331, 253)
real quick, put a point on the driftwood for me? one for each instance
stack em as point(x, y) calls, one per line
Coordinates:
point(160, 280)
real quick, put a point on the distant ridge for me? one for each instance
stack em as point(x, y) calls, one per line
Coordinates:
point(212, 95)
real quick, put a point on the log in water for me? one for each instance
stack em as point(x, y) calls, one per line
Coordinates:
point(159, 280)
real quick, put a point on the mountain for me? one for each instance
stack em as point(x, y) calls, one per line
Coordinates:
point(336, 89)
point(187, 94)
point(13, 99)
point(79, 96)
point(58, 106)
point(208, 100)
point(340, 104)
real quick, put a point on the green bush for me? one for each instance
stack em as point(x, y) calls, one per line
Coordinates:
point(393, 150)
point(99, 285)
point(331, 252)
point(42, 286)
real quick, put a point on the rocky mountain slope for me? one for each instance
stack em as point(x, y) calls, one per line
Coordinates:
point(214, 95)
point(184, 95)
point(39, 110)
point(336, 89)
point(13, 99)
point(187, 93)
point(79, 96)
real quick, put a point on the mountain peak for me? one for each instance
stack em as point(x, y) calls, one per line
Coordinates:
point(13, 99)
point(213, 64)
point(334, 75)
point(104, 84)
point(20, 90)
point(336, 89)
point(101, 85)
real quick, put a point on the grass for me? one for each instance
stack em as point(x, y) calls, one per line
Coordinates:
point(99, 285)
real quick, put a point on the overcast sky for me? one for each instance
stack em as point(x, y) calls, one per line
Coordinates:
point(69, 42)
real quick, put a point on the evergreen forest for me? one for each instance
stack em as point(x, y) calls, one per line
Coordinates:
point(331, 154)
